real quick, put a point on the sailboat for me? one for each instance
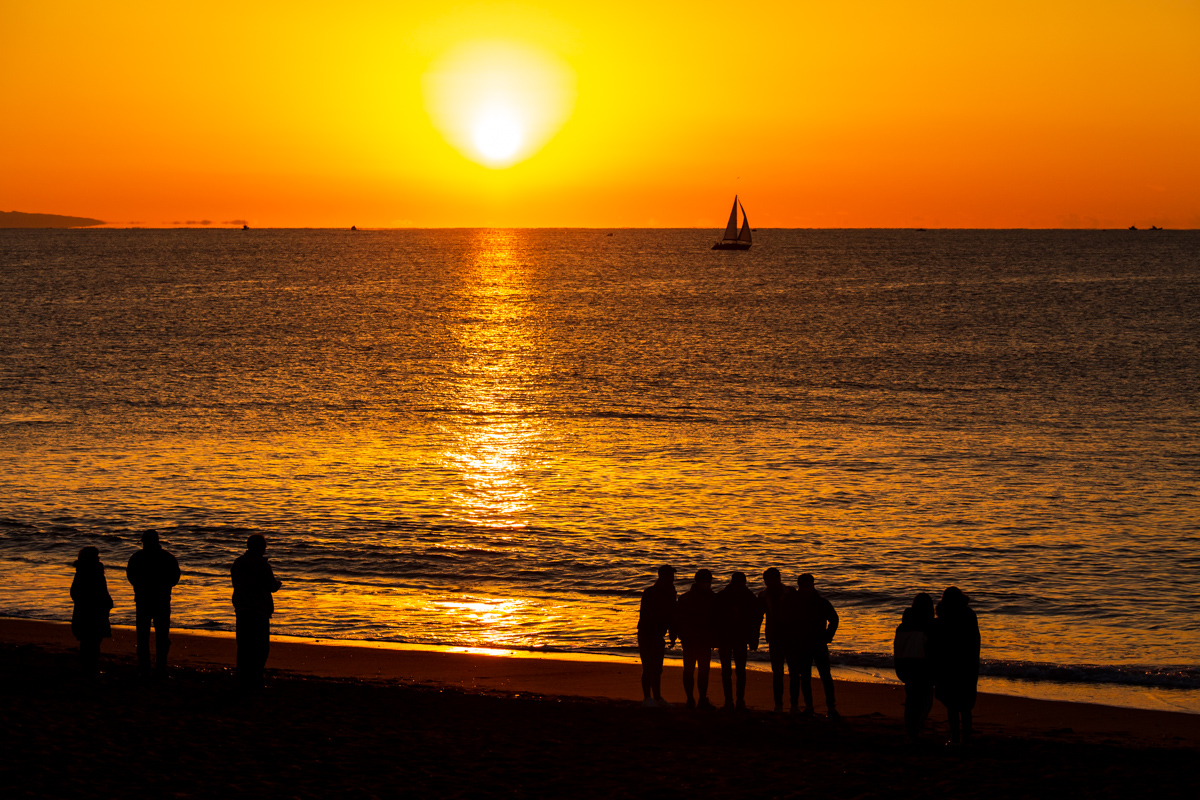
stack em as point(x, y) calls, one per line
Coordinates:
point(732, 240)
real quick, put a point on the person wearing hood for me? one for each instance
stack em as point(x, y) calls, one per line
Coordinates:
point(254, 585)
point(911, 648)
point(694, 616)
point(656, 619)
point(153, 572)
point(956, 646)
point(816, 623)
point(737, 618)
point(89, 620)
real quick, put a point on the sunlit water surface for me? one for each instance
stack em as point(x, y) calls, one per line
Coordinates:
point(491, 438)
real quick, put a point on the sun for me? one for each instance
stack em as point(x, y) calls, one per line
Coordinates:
point(498, 103)
point(497, 134)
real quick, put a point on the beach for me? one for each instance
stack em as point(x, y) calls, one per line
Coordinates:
point(356, 719)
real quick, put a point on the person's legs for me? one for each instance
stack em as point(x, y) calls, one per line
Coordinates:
point(922, 701)
point(955, 730)
point(739, 655)
point(704, 663)
point(650, 649)
point(966, 724)
point(689, 673)
point(142, 617)
point(162, 637)
point(242, 638)
point(778, 656)
point(254, 643)
point(264, 648)
point(918, 699)
point(820, 655)
point(725, 653)
point(799, 665)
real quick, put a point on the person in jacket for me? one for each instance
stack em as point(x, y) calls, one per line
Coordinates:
point(153, 572)
point(815, 623)
point(737, 618)
point(912, 650)
point(89, 620)
point(956, 648)
point(656, 619)
point(254, 585)
point(694, 622)
point(781, 644)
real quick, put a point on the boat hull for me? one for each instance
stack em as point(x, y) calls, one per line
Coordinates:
point(731, 246)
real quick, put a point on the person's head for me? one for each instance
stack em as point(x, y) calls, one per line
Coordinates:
point(806, 584)
point(953, 599)
point(256, 544)
point(703, 578)
point(737, 579)
point(666, 573)
point(771, 577)
point(922, 606)
point(88, 556)
point(150, 538)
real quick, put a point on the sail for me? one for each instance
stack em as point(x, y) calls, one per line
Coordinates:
point(744, 236)
point(731, 228)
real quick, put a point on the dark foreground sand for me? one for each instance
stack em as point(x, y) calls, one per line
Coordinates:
point(382, 723)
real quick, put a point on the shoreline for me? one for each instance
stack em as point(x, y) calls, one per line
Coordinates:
point(612, 679)
point(1130, 695)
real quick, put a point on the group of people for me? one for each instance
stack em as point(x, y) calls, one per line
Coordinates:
point(937, 654)
point(936, 650)
point(154, 572)
point(800, 624)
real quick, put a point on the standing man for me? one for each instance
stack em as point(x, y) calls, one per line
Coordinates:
point(253, 585)
point(656, 618)
point(154, 573)
point(777, 603)
point(737, 618)
point(816, 623)
point(694, 612)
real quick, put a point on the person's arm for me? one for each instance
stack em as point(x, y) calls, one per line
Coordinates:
point(175, 573)
point(672, 619)
point(831, 616)
point(272, 582)
point(131, 571)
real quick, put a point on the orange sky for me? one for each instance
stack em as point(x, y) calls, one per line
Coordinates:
point(932, 114)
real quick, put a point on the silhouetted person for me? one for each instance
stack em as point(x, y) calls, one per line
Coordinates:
point(89, 620)
point(656, 619)
point(914, 664)
point(737, 617)
point(154, 573)
point(956, 648)
point(816, 624)
point(780, 635)
point(253, 586)
point(694, 622)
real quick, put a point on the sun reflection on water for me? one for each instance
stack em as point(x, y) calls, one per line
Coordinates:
point(494, 438)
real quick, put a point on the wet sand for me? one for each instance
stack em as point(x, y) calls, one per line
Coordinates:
point(358, 720)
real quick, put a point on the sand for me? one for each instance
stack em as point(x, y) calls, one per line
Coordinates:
point(360, 720)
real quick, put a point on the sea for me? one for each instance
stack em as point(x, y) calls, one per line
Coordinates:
point(491, 439)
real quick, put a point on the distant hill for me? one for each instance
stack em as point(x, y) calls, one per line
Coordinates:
point(19, 219)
